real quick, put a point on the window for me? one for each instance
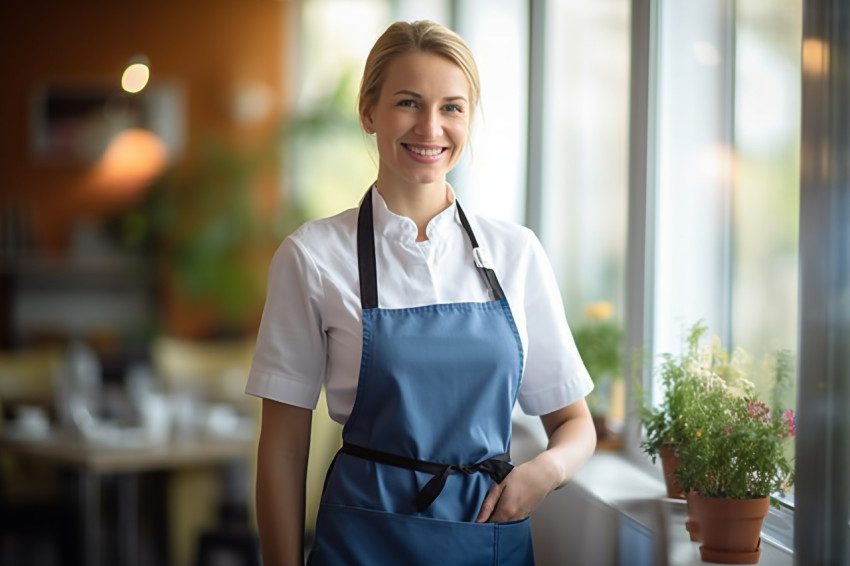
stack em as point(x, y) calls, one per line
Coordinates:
point(492, 176)
point(726, 186)
point(721, 185)
point(584, 170)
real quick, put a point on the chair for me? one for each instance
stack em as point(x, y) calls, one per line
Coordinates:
point(214, 370)
point(210, 372)
point(26, 378)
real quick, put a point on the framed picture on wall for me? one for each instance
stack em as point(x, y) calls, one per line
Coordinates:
point(73, 123)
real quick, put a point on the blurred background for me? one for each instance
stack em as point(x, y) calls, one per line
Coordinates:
point(154, 154)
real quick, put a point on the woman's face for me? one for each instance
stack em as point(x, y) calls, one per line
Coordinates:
point(421, 119)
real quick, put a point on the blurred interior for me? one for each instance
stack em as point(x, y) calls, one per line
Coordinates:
point(135, 234)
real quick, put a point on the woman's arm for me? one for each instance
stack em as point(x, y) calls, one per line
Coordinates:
point(281, 482)
point(572, 440)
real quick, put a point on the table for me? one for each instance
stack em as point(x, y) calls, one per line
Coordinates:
point(92, 461)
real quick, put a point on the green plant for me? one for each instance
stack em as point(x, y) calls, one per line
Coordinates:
point(664, 424)
point(729, 444)
point(738, 447)
point(599, 343)
point(599, 340)
point(684, 380)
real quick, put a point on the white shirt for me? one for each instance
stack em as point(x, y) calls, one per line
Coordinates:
point(311, 332)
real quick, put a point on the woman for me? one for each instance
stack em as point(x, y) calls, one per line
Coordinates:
point(425, 327)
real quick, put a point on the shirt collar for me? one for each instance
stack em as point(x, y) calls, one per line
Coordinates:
point(402, 228)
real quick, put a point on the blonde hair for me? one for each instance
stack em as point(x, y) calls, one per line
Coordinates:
point(422, 36)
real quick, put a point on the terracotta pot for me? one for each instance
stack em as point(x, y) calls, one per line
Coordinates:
point(730, 529)
point(669, 463)
point(692, 524)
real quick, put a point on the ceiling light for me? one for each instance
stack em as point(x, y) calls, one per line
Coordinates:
point(136, 75)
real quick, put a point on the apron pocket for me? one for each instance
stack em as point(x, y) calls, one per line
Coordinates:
point(349, 536)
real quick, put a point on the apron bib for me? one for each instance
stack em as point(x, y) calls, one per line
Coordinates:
point(429, 433)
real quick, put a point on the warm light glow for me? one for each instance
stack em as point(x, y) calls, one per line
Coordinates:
point(130, 163)
point(135, 77)
point(815, 57)
point(706, 53)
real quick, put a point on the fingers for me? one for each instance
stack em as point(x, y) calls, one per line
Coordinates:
point(508, 509)
point(515, 498)
point(489, 504)
point(501, 507)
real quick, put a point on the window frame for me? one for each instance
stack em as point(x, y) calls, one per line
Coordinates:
point(823, 463)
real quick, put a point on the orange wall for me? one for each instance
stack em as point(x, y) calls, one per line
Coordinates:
point(209, 46)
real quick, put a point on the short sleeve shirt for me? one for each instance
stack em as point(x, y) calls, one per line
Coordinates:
point(311, 332)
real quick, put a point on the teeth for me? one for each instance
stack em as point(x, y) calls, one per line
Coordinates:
point(425, 152)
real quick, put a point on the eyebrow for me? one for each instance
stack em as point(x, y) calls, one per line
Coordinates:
point(417, 95)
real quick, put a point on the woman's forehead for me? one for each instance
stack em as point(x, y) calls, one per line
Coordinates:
point(428, 72)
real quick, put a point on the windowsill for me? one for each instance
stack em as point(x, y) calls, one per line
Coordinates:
point(620, 484)
point(639, 500)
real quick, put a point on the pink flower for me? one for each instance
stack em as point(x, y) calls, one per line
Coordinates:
point(791, 422)
point(759, 410)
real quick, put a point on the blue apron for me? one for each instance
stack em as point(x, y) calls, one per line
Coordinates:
point(429, 433)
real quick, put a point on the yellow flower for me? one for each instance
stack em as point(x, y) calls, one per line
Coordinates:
point(601, 310)
point(699, 434)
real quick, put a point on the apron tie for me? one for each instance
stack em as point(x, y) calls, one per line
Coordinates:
point(498, 467)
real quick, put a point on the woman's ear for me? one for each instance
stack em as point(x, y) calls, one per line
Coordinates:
point(367, 124)
point(366, 121)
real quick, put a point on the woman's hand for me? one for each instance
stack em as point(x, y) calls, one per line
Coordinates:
point(520, 493)
point(572, 439)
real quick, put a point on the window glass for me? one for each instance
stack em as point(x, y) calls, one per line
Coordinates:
point(585, 172)
point(727, 117)
point(693, 171)
point(766, 195)
point(491, 178)
point(330, 161)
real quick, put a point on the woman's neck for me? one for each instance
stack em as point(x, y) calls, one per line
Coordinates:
point(420, 203)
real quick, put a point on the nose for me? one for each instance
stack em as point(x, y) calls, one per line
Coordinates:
point(429, 124)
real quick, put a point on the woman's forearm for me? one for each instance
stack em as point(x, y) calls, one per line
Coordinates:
point(572, 440)
point(281, 483)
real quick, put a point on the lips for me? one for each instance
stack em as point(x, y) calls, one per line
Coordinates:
point(427, 153)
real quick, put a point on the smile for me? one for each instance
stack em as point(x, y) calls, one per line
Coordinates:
point(428, 153)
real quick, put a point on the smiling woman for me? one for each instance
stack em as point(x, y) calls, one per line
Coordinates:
point(425, 375)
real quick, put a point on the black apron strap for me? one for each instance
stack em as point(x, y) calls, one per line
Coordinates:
point(366, 255)
point(366, 263)
point(497, 467)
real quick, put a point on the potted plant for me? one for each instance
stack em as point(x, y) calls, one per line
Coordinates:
point(599, 340)
point(736, 459)
point(683, 379)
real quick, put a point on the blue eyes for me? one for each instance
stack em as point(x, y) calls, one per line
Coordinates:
point(411, 103)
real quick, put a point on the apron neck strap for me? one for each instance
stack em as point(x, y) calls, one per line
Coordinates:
point(366, 255)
